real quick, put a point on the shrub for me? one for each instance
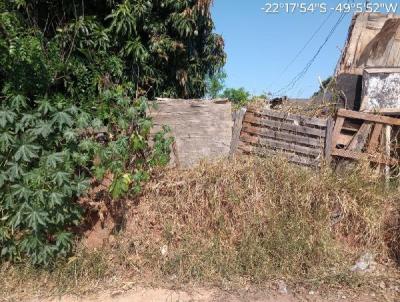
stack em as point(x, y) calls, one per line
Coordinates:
point(73, 84)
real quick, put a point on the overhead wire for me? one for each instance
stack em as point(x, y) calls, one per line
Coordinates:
point(307, 43)
point(303, 72)
point(299, 53)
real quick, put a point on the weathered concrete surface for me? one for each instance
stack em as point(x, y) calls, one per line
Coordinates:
point(381, 90)
point(202, 129)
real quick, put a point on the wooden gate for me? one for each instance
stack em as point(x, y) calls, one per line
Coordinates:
point(303, 140)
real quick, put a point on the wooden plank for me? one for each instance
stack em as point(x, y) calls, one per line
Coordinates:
point(381, 159)
point(237, 128)
point(303, 120)
point(387, 111)
point(250, 118)
point(344, 139)
point(328, 140)
point(336, 131)
point(291, 157)
point(374, 141)
point(388, 137)
point(351, 126)
point(359, 140)
point(279, 144)
point(281, 135)
point(369, 117)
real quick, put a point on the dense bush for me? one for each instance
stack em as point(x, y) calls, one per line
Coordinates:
point(74, 77)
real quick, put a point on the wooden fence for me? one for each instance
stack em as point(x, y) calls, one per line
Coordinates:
point(303, 140)
point(364, 136)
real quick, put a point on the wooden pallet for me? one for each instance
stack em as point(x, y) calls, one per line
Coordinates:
point(300, 139)
point(359, 135)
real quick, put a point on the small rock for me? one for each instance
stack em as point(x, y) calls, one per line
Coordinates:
point(366, 261)
point(127, 286)
point(116, 293)
point(382, 285)
point(282, 287)
point(164, 250)
point(343, 297)
point(112, 240)
point(311, 292)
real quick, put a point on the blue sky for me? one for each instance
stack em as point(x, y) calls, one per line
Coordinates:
point(260, 45)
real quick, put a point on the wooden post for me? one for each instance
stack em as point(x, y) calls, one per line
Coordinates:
point(328, 140)
point(359, 140)
point(237, 129)
point(388, 135)
point(374, 141)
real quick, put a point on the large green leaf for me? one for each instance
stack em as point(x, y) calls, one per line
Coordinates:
point(22, 192)
point(14, 171)
point(54, 158)
point(62, 119)
point(56, 199)
point(6, 141)
point(36, 218)
point(42, 128)
point(26, 153)
point(28, 119)
point(45, 106)
point(18, 102)
point(6, 116)
point(59, 178)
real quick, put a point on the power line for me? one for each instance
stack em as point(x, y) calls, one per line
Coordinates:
point(304, 47)
point(307, 43)
point(302, 73)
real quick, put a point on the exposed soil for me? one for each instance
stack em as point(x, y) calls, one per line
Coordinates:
point(162, 295)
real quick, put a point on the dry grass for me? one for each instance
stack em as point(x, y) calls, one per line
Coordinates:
point(259, 219)
point(296, 107)
point(85, 272)
point(249, 220)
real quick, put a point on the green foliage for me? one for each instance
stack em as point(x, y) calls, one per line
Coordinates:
point(166, 48)
point(74, 77)
point(38, 178)
point(238, 96)
point(215, 84)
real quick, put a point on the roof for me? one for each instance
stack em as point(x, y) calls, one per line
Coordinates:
point(373, 41)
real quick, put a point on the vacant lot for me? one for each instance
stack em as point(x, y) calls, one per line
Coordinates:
point(261, 224)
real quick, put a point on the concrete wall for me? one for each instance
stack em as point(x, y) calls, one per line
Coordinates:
point(202, 129)
point(381, 90)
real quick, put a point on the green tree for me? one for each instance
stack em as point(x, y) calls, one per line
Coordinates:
point(69, 70)
point(166, 47)
point(216, 84)
point(238, 96)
